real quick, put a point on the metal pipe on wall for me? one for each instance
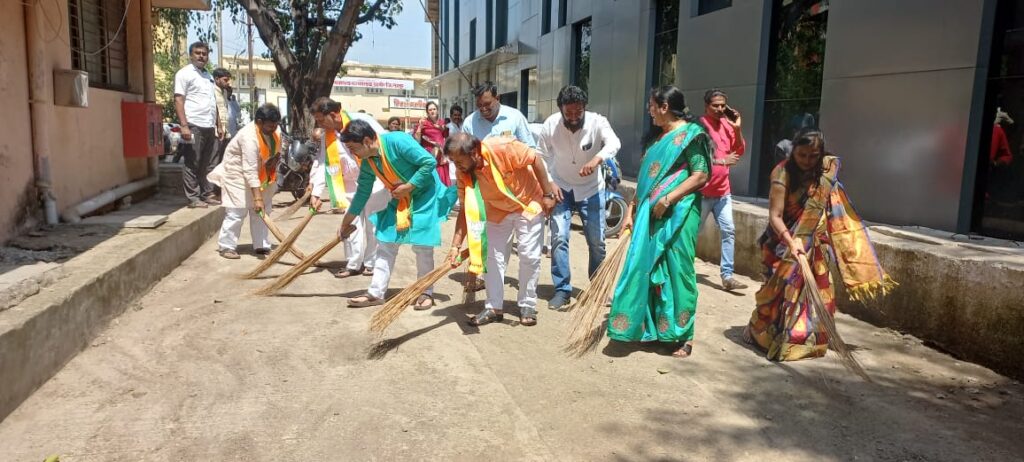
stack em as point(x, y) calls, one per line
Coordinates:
point(40, 104)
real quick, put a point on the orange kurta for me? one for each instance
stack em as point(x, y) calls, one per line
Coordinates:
point(514, 160)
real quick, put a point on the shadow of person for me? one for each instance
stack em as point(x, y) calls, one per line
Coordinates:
point(705, 280)
point(735, 335)
point(617, 349)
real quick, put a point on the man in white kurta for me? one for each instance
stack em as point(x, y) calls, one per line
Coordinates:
point(243, 187)
point(361, 245)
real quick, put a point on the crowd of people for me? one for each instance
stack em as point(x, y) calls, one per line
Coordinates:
point(505, 182)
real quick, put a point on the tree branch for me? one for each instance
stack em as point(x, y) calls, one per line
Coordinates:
point(374, 9)
point(265, 20)
point(339, 40)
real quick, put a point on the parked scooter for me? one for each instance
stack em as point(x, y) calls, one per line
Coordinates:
point(293, 173)
point(614, 202)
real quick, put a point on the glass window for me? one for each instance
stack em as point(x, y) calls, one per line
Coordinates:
point(501, 31)
point(796, 60)
point(98, 41)
point(1000, 187)
point(708, 6)
point(563, 12)
point(545, 17)
point(489, 26)
point(472, 38)
point(666, 35)
point(581, 39)
point(455, 25)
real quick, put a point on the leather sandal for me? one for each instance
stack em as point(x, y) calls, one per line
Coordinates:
point(368, 300)
point(419, 306)
point(347, 273)
point(487, 316)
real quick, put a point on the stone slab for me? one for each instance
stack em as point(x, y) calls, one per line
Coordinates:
point(127, 221)
point(23, 281)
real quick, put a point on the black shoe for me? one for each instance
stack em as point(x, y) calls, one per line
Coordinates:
point(559, 301)
point(262, 251)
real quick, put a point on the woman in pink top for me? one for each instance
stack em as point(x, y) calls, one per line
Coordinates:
point(431, 132)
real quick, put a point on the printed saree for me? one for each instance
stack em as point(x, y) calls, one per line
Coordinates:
point(656, 296)
point(823, 220)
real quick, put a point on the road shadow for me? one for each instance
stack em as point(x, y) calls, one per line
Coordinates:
point(705, 280)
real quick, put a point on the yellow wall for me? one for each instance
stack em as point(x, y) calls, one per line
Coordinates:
point(86, 152)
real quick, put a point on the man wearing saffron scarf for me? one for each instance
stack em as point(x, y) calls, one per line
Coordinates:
point(419, 204)
point(247, 177)
point(333, 177)
point(504, 189)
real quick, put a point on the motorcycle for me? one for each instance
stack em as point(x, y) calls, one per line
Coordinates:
point(293, 172)
point(614, 202)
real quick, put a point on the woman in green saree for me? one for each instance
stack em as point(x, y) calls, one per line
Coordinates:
point(656, 295)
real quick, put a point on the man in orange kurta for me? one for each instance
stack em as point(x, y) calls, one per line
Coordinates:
point(518, 209)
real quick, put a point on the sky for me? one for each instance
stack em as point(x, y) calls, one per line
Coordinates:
point(406, 44)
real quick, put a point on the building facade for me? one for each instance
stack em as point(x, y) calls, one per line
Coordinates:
point(66, 67)
point(381, 91)
point(908, 93)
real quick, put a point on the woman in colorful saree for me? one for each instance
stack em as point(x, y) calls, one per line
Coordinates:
point(809, 214)
point(656, 296)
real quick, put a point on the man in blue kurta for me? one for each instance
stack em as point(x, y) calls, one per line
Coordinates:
point(419, 204)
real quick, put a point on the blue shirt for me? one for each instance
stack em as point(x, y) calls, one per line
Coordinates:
point(510, 122)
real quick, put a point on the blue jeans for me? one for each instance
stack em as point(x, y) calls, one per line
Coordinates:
point(721, 207)
point(591, 211)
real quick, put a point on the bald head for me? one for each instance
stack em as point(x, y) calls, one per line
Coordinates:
point(463, 149)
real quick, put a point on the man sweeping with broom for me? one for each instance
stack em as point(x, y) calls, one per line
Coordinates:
point(420, 203)
point(503, 186)
point(334, 177)
point(247, 178)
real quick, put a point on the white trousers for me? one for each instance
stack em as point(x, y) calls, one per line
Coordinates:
point(499, 238)
point(232, 226)
point(361, 246)
point(386, 254)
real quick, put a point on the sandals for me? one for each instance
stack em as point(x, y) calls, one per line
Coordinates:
point(367, 271)
point(347, 273)
point(367, 300)
point(684, 351)
point(487, 316)
point(528, 317)
point(419, 306)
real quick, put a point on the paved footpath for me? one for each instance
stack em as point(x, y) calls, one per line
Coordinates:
point(200, 370)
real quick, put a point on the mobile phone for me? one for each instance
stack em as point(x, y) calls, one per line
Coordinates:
point(730, 113)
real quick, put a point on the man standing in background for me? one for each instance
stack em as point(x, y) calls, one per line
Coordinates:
point(195, 102)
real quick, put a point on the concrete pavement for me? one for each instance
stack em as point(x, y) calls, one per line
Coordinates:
point(201, 370)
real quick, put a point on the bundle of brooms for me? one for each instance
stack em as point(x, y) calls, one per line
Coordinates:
point(585, 332)
point(394, 307)
point(826, 320)
point(285, 246)
point(288, 277)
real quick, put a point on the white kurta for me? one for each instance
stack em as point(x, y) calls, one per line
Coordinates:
point(239, 169)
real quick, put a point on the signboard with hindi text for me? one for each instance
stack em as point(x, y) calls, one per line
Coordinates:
point(370, 82)
point(401, 102)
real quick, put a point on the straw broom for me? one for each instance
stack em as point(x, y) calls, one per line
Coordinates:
point(279, 235)
point(291, 275)
point(288, 212)
point(394, 307)
point(835, 342)
point(585, 330)
point(281, 249)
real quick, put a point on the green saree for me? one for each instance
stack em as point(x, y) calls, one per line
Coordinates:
point(656, 295)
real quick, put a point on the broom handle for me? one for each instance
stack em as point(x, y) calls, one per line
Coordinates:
point(280, 235)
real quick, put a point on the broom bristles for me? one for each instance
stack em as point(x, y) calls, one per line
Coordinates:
point(288, 212)
point(280, 250)
point(288, 277)
point(835, 342)
point(585, 326)
point(394, 307)
point(280, 235)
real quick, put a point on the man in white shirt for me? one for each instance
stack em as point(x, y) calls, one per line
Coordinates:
point(195, 102)
point(455, 119)
point(361, 245)
point(574, 143)
point(495, 119)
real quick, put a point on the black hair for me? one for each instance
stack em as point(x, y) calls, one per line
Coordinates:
point(461, 142)
point(267, 113)
point(430, 103)
point(325, 105)
point(712, 93)
point(356, 131)
point(455, 107)
point(676, 105)
point(195, 45)
point(221, 72)
point(486, 87)
point(797, 178)
point(394, 119)
point(571, 94)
